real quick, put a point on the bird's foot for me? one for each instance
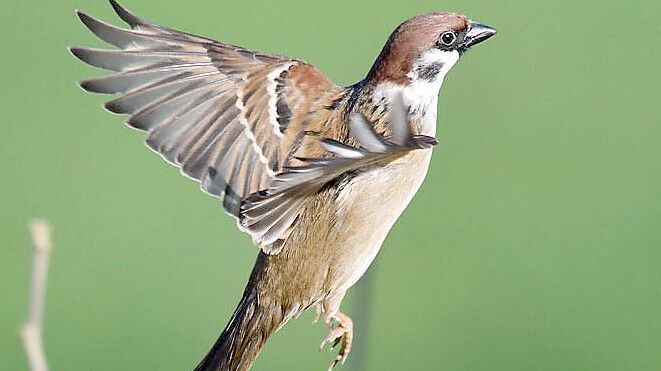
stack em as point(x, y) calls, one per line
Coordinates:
point(317, 313)
point(343, 334)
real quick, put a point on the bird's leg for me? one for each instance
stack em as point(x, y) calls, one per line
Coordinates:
point(317, 313)
point(342, 333)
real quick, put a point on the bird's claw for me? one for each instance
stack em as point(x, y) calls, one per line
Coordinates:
point(342, 334)
point(317, 314)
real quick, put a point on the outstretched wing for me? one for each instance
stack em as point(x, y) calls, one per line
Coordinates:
point(268, 215)
point(217, 111)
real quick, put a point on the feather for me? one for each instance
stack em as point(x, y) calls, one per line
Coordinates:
point(214, 110)
point(127, 16)
point(119, 37)
point(398, 118)
point(365, 135)
point(266, 214)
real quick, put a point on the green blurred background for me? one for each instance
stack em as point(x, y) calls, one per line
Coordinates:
point(534, 244)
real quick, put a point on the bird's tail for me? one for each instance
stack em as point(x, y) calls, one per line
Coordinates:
point(244, 336)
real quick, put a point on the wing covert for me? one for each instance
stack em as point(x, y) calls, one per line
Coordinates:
point(269, 215)
point(216, 111)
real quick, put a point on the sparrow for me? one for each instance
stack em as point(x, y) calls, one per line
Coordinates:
point(316, 173)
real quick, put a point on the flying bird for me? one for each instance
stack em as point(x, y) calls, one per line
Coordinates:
point(316, 173)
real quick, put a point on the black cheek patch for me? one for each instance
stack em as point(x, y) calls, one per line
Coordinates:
point(429, 72)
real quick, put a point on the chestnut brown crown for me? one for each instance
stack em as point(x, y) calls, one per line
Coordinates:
point(446, 31)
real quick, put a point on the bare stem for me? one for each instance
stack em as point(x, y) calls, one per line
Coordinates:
point(31, 332)
point(362, 314)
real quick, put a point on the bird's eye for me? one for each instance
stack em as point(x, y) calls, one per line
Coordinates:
point(448, 38)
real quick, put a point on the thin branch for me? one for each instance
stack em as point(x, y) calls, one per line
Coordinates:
point(362, 313)
point(31, 332)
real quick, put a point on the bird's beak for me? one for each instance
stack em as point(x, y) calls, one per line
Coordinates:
point(476, 34)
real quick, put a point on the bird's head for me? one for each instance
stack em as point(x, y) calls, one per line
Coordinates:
point(424, 48)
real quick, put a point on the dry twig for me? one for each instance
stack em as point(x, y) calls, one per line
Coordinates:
point(31, 332)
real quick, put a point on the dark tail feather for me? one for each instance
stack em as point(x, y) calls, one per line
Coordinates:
point(248, 329)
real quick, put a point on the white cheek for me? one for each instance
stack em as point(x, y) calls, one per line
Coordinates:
point(423, 93)
point(436, 57)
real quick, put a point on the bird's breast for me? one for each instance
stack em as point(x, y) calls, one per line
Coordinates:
point(367, 208)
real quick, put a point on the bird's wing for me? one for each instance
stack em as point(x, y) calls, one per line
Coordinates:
point(219, 112)
point(268, 215)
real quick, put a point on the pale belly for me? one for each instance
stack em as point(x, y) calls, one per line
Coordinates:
point(368, 207)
